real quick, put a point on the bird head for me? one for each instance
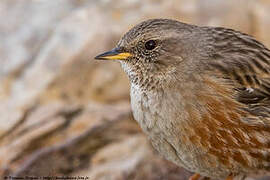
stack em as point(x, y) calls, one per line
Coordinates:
point(156, 49)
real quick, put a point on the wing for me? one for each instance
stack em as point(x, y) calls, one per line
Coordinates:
point(245, 62)
point(235, 127)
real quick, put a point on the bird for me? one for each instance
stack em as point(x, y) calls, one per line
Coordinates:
point(201, 95)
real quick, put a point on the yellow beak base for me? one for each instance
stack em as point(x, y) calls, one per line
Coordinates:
point(113, 55)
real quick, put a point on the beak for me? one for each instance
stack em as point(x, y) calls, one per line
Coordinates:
point(114, 54)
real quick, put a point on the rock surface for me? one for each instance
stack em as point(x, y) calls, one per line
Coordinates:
point(62, 113)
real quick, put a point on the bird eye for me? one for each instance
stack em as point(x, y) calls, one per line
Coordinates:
point(150, 45)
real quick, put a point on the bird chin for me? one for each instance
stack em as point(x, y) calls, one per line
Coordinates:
point(127, 68)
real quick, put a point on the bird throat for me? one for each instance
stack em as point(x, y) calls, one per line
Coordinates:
point(143, 76)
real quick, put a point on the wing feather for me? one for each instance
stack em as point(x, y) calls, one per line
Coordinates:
point(246, 63)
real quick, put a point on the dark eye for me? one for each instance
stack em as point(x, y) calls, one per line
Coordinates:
point(150, 45)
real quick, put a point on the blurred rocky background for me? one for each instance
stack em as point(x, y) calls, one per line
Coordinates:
point(63, 113)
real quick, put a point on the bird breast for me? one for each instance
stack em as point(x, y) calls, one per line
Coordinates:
point(163, 121)
point(152, 109)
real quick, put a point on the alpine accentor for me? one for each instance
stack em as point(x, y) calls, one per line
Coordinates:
point(201, 94)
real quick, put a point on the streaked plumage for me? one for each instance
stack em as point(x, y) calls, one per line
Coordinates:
point(202, 95)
